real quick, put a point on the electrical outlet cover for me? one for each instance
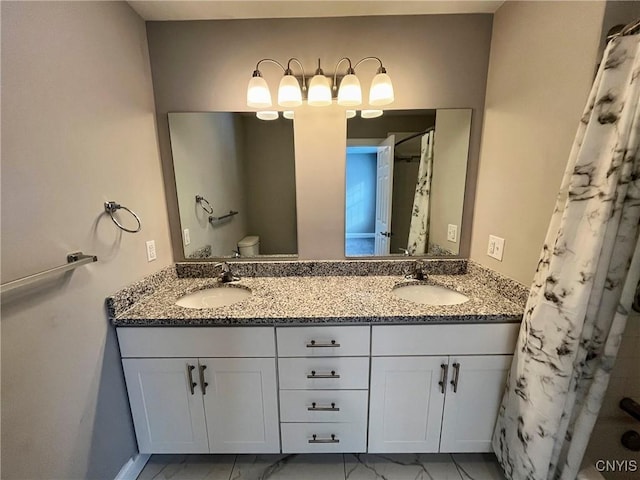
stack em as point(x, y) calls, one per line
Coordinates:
point(452, 233)
point(496, 247)
point(151, 250)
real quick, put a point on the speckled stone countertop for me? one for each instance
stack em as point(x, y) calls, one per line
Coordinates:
point(325, 299)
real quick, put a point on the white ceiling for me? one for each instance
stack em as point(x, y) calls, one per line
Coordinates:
point(233, 9)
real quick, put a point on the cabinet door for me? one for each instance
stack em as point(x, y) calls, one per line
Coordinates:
point(470, 412)
point(406, 403)
point(241, 405)
point(167, 416)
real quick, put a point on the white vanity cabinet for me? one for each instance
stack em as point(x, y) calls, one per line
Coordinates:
point(324, 388)
point(437, 388)
point(222, 398)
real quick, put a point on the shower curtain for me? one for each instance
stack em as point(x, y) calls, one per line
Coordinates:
point(583, 286)
point(419, 228)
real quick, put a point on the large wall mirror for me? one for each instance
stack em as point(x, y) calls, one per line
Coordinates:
point(235, 183)
point(405, 182)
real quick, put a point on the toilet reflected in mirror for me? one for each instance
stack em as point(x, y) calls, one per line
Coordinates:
point(249, 246)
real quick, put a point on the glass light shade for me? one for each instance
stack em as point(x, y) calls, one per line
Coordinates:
point(258, 94)
point(351, 113)
point(289, 93)
point(288, 114)
point(319, 91)
point(350, 93)
point(267, 115)
point(381, 92)
point(371, 113)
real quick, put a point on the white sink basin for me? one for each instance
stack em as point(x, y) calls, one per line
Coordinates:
point(214, 297)
point(429, 294)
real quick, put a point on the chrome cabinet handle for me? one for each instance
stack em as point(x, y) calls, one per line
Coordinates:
point(332, 408)
point(444, 369)
point(203, 384)
point(192, 384)
point(314, 344)
point(333, 374)
point(333, 439)
point(456, 377)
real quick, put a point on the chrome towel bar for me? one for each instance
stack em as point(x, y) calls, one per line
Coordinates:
point(74, 260)
point(217, 219)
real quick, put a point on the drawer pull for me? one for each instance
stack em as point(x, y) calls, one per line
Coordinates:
point(333, 374)
point(456, 377)
point(333, 439)
point(332, 408)
point(443, 379)
point(192, 384)
point(314, 344)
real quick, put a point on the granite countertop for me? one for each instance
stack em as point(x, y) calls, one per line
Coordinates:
point(305, 300)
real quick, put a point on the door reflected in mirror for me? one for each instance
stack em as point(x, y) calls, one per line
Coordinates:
point(405, 182)
point(235, 182)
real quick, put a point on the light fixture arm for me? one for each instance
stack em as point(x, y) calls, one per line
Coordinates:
point(381, 69)
point(256, 72)
point(288, 71)
point(350, 71)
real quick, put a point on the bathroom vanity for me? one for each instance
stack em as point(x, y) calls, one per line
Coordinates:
point(318, 363)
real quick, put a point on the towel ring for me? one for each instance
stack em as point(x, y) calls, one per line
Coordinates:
point(208, 208)
point(111, 207)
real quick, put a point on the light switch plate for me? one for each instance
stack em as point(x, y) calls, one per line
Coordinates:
point(496, 247)
point(186, 237)
point(452, 233)
point(151, 250)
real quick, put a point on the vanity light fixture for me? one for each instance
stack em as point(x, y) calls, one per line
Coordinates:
point(289, 91)
point(350, 94)
point(288, 114)
point(351, 113)
point(320, 91)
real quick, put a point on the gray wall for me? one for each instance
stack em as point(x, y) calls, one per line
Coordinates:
point(77, 129)
point(270, 184)
point(538, 83)
point(434, 61)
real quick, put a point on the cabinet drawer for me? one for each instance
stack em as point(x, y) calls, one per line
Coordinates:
point(348, 437)
point(475, 339)
point(196, 342)
point(348, 373)
point(338, 406)
point(323, 341)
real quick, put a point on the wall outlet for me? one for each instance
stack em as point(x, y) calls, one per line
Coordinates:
point(186, 237)
point(151, 250)
point(496, 247)
point(452, 233)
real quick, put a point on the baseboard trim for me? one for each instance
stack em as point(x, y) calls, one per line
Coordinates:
point(132, 469)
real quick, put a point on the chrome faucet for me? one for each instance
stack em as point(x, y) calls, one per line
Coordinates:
point(416, 273)
point(225, 275)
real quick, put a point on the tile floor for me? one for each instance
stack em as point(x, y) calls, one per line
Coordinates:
point(323, 467)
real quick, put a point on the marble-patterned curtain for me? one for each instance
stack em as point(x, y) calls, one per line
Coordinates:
point(419, 228)
point(583, 287)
